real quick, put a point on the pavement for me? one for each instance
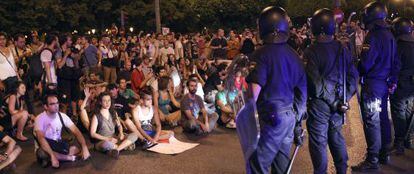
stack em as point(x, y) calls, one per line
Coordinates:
point(218, 153)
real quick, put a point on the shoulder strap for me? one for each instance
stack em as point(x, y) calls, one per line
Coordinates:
point(63, 124)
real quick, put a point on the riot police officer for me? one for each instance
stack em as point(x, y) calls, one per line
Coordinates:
point(328, 64)
point(278, 84)
point(402, 102)
point(378, 69)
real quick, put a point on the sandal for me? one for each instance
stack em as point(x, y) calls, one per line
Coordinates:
point(231, 125)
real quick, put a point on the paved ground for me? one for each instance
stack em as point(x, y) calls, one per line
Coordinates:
point(217, 153)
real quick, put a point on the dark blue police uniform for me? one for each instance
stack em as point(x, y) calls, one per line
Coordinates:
point(378, 68)
point(280, 73)
point(325, 90)
point(402, 102)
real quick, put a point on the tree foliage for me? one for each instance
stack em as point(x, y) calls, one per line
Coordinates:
point(179, 15)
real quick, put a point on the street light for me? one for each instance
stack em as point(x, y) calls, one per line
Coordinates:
point(131, 29)
point(93, 31)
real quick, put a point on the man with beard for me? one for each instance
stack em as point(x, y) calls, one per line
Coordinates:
point(192, 106)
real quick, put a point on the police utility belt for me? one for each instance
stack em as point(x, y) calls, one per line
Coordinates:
point(271, 117)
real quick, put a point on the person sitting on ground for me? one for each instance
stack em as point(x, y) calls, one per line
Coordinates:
point(191, 106)
point(126, 92)
point(49, 145)
point(167, 102)
point(145, 117)
point(11, 153)
point(103, 126)
point(224, 101)
point(15, 112)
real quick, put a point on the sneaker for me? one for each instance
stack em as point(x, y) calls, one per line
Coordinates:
point(114, 153)
point(365, 166)
point(148, 144)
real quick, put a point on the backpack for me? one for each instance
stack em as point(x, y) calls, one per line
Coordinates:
point(35, 65)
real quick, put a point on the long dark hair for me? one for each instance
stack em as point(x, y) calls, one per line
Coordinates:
point(99, 105)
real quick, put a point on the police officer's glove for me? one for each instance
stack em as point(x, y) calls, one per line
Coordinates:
point(342, 107)
point(298, 133)
point(391, 88)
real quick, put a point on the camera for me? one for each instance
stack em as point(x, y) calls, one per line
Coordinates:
point(74, 50)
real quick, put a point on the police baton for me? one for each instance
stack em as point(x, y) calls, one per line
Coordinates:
point(292, 159)
point(344, 75)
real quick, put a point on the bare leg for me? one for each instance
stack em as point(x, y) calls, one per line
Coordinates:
point(12, 156)
point(20, 119)
point(131, 126)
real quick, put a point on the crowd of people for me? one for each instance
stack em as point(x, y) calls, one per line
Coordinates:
point(121, 90)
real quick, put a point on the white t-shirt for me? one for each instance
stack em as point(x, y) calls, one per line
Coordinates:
point(51, 125)
point(7, 69)
point(164, 52)
point(46, 56)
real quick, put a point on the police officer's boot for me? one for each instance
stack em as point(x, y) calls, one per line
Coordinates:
point(384, 156)
point(408, 143)
point(398, 148)
point(369, 164)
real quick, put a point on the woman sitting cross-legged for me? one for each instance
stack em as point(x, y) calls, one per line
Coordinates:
point(165, 100)
point(103, 126)
point(144, 116)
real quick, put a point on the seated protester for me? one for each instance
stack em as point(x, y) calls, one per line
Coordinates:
point(191, 107)
point(145, 117)
point(49, 145)
point(224, 101)
point(200, 91)
point(120, 102)
point(138, 79)
point(167, 102)
point(210, 88)
point(89, 102)
point(103, 126)
point(126, 92)
point(15, 112)
point(11, 153)
point(125, 72)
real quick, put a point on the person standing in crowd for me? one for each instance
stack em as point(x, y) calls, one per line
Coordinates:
point(378, 69)
point(48, 60)
point(359, 40)
point(219, 46)
point(278, 86)
point(233, 46)
point(91, 55)
point(326, 60)
point(69, 72)
point(8, 68)
point(108, 60)
point(49, 145)
point(247, 43)
point(191, 107)
point(402, 102)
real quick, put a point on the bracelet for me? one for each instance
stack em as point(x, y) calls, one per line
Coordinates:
point(6, 155)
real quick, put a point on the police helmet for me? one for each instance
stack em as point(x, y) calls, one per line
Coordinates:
point(402, 25)
point(374, 11)
point(273, 21)
point(323, 22)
